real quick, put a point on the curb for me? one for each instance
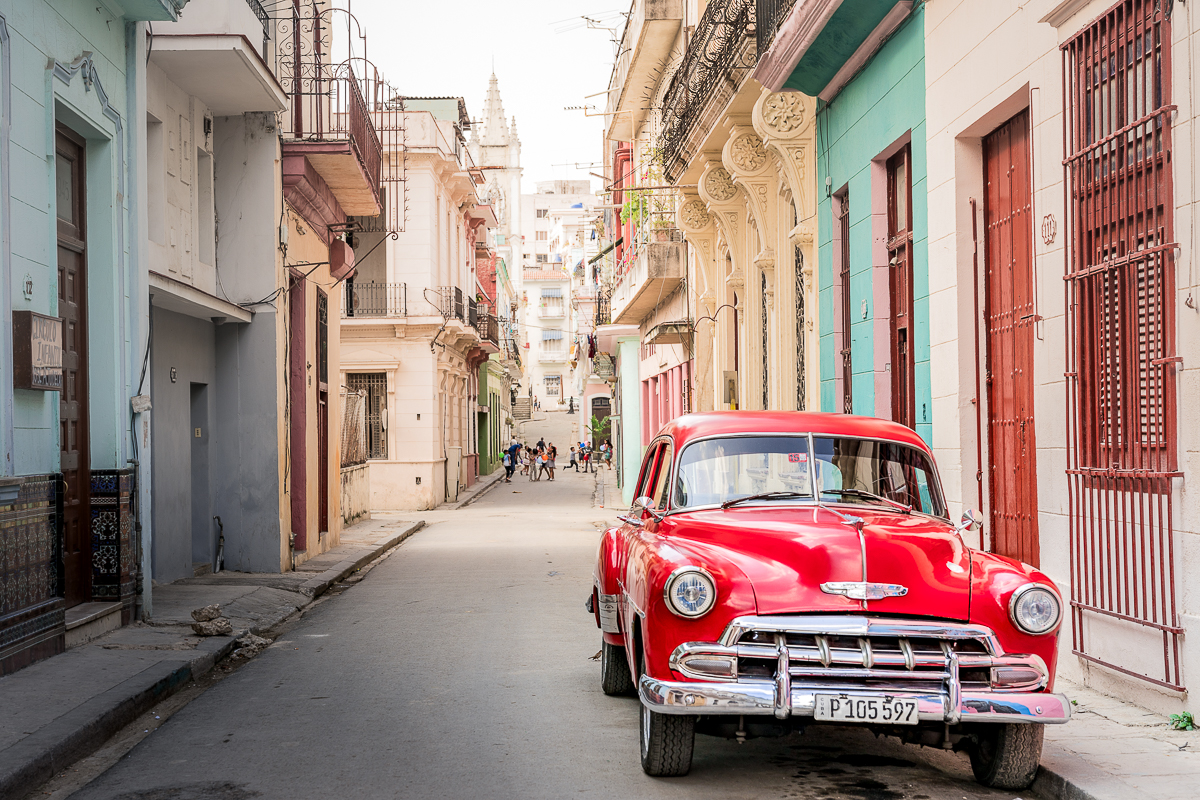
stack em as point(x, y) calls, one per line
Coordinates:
point(81, 731)
point(485, 485)
point(317, 586)
point(34, 760)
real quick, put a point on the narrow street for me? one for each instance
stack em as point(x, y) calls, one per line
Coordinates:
point(461, 667)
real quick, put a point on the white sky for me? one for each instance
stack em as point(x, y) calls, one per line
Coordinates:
point(545, 58)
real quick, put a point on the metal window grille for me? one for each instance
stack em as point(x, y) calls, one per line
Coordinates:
point(765, 323)
point(373, 385)
point(900, 284)
point(844, 300)
point(1121, 331)
point(553, 385)
point(800, 377)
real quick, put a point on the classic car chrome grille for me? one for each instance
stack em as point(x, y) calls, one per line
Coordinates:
point(860, 652)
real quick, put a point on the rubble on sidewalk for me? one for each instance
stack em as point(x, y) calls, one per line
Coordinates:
point(220, 626)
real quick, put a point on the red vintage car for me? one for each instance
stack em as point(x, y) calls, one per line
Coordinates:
point(784, 569)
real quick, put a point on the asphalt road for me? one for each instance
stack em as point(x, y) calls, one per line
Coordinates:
point(460, 667)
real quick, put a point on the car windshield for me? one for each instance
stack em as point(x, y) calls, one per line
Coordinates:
point(852, 470)
point(716, 471)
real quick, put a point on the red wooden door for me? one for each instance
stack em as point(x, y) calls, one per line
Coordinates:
point(1009, 313)
point(74, 455)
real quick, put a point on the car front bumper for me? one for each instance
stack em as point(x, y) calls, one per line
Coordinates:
point(856, 657)
point(761, 697)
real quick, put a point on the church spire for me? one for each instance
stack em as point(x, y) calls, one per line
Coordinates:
point(495, 127)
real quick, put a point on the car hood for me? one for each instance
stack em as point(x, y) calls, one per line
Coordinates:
point(787, 553)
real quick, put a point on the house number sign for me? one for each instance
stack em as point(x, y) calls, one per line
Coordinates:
point(37, 351)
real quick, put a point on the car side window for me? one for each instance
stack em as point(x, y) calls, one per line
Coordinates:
point(646, 478)
point(660, 479)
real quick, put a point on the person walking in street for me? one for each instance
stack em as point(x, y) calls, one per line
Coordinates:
point(551, 454)
point(573, 463)
point(587, 457)
point(511, 459)
point(608, 453)
point(536, 462)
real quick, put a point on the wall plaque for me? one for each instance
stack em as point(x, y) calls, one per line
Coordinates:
point(37, 351)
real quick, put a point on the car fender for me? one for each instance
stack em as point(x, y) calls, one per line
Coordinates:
point(994, 578)
point(606, 585)
point(662, 630)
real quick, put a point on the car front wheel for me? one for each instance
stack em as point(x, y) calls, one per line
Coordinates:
point(667, 741)
point(1006, 756)
point(615, 679)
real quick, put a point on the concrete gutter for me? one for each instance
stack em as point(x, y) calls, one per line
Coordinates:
point(35, 759)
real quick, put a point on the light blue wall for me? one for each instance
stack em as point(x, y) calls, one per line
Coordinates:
point(630, 387)
point(93, 97)
point(883, 104)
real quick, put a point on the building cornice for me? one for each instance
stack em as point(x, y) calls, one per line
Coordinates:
point(306, 191)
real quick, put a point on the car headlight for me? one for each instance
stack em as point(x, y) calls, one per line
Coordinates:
point(690, 592)
point(1035, 609)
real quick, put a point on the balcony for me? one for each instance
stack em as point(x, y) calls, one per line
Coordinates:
point(552, 356)
point(375, 300)
point(645, 47)
point(719, 57)
point(215, 52)
point(654, 273)
point(551, 312)
point(327, 122)
point(488, 328)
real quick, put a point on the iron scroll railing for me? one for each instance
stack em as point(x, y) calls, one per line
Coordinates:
point(769, 15)
point(723, 48)
point(325, 100)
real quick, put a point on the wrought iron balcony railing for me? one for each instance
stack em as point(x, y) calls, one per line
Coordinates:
point(375, 300)
point(450, 303)
point(722, 51)
point(769, 15)
point(325, 100)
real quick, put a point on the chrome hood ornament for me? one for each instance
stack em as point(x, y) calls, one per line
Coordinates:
point(861, 590)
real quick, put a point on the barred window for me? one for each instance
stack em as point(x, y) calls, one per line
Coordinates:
point(374, 384)
point(1121, 272)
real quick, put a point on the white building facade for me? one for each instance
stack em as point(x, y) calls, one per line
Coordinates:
point(1055, 298)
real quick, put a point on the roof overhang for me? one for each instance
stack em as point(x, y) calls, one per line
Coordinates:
point(172, 295)
point(824, 43)
point(223, 70)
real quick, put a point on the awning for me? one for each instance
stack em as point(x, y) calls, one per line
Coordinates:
point(605, 251)
point(551, 291)
point(551, 335)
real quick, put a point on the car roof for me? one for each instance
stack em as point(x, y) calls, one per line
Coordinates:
point(685, 428)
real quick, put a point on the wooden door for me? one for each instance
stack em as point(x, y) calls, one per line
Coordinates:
point(74, 456)
point(1010, 319)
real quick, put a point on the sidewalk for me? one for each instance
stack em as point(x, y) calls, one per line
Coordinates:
point(1111, 749)
point(60, 710)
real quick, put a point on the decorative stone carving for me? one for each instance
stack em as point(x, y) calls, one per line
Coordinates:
point(720, 185)
point(693, 216)
point(747, 153)
point(783, 111)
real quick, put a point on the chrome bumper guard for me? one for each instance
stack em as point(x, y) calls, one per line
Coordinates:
point(801, 673)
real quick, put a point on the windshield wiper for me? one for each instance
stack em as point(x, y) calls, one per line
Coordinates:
point(764, 496)
point(868, 495)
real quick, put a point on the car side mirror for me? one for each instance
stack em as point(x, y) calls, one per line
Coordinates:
point(642, 506)
point(971, 520)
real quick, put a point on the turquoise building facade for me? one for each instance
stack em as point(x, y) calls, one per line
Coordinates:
point(72, 119)
point(870, 129)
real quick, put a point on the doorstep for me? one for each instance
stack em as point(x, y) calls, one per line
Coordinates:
point(88, 621)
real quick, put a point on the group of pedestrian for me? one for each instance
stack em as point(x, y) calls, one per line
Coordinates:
point(535, 461)
point(540, 459)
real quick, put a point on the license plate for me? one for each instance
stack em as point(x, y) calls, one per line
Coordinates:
point(886, 710)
